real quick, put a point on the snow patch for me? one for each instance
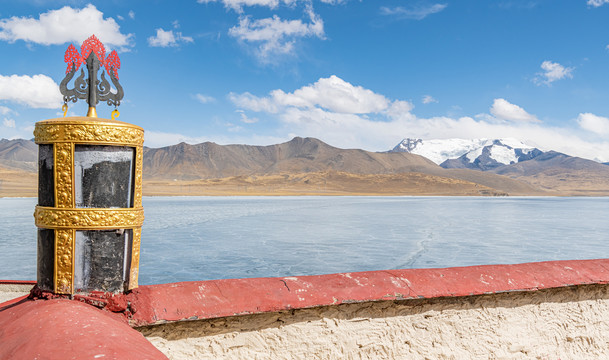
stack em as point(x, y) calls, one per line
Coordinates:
point(440, 150)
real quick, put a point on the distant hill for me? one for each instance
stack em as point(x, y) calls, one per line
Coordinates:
point(510, 157)
point(300, 155)
point(560, 172)
point(315, 167)
point(20, 154)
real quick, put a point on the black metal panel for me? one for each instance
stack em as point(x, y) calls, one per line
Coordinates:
point(46, 259)
point(46, 180)
point(103, 176)
point(102, 260)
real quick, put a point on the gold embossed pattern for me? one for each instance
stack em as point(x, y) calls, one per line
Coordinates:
point(89, 133)
point(64, 256)
point(135, 258)
point(83, 218)
point(63, 175)
point(139, 160)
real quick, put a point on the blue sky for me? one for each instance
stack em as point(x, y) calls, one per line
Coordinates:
point(355, 74)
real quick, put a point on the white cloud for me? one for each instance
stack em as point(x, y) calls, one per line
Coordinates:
point(132, 14)
point(38, 91)
point(157, 139)
point(597, 3)
point(356, 117)
point(596, 124)
point(168, 38)
point(65, 25)
point(275, 36)
point(238, 5)
point(10, 123)
point(417, 12)
point(333, 94)
point(504, 110)
point(204, 99)
point(254, 103)
point(4, 110)
point(246, 119)
point(551, 72)
point(428, 99)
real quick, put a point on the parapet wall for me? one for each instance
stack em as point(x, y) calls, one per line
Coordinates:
point(549, 310)
point(563, 323)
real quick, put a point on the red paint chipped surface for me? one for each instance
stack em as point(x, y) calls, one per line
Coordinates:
point(218, 298)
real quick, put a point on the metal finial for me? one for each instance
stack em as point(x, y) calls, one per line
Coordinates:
point(93, 56)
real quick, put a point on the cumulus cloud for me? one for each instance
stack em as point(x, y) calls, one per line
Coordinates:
point(416, 12)
point(238, 5)
point(552, 72)
point(504, 110)
point(246, 119)
point(428, 99)
point(132, 14)
point(332, 94)
point(275, 36)
point(65, 25)
point(597, 3)
point(204, 99)
point(168, 39)
point(4, 110)
point(10, 123)
point(157, 139)
point(347, 115)
point(596, 124)
point(38, 91)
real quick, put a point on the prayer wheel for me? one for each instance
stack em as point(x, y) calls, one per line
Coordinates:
point(89, 213)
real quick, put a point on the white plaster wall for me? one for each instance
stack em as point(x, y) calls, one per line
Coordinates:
point(12, 291)
point(565, 323)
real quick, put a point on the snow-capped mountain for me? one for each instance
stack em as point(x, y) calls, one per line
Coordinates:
point(481, 154)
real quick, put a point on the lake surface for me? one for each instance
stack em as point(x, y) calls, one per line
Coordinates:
point(200, 238)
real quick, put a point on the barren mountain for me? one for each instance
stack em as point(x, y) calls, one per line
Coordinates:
point(20, 154)
point(309, 166)
point(559, 172)
point(209, 160)
point(308, 155)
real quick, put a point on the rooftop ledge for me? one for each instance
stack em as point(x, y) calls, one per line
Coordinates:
point(93, 332)
point(157, 304)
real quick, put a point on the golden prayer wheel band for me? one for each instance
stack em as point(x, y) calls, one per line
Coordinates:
point(80, 129)
point(88, 219)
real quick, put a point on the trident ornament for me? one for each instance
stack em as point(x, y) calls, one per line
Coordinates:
point(93, 56)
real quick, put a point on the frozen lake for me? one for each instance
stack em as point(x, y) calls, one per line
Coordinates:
point(200, 238)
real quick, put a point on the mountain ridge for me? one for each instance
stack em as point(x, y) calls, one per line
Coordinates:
point(207, 164)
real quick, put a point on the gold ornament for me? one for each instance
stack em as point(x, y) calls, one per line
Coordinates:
point(88, 219)
point(135, 258)
point(64, 165)
point(64, 261)
point(87, 130)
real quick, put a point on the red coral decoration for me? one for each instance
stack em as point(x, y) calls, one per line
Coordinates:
point(112, 63)
point(93, 44)
point(72, 57)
